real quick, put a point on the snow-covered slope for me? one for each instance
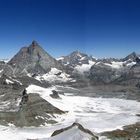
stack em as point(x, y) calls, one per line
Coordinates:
point(96, 114)
point(84, 67)
point(54, 76)
point(83, 109)
point(73, 132)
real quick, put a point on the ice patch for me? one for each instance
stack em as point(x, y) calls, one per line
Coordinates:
point(54, 76)
point(1, 71)
point(9, 81)
point(84, 67)
point(97, 114)
point(60, 58)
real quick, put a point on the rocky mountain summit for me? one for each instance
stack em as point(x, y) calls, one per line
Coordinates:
point(32, 59)
point(75, 58)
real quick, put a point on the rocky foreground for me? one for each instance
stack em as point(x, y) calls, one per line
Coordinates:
point(130, 132)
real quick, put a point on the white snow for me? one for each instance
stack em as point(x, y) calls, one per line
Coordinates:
point(60, 58)
point(118, 65)
point(5, 60)
point(17, 81)
point(78, 54)
point(115, 65)
point(9, 81)
point(54, 71)
point(82, 58)
point(67, 63)
point(84, 109)
point(96, 114)
point(9, 105)
point(131, 64)
point(84, 67)
point(1, 71)
point(72, 134)
point(54, 76)
point(29, 74)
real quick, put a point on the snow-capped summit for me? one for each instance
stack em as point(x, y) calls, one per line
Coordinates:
point(75, 58)
point(77, 62)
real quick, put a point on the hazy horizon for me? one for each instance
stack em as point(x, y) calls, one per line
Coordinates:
point(95, 27)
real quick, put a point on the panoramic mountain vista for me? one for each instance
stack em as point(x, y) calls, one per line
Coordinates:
point(69, 70)
point(49, 94)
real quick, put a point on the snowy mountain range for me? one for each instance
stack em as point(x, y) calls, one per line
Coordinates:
point(34, 62)
point(38, 90)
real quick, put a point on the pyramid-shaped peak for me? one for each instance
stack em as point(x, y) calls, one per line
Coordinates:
point(35, 43)
point(132, 56)
point(31, 57)
point(76, 52)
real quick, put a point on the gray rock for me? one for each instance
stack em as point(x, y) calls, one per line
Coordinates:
point(33, 112)
point(131, 56)
point(32, 59)
point(102, 74)
point(55, 94)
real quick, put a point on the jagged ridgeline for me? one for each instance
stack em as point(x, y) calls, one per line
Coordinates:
point(32, 59)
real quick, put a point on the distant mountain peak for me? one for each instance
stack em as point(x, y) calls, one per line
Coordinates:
point(34, 43)
point(34, 55)
point(132, 56)
point(76, 52)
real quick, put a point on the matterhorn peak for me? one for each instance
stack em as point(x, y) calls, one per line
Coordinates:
point(34, 43)
point(28, 58)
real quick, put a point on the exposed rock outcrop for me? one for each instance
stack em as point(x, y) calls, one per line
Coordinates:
point(32, 111)
point(55, 94)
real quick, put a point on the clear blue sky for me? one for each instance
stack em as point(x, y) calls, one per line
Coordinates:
point(102, 28)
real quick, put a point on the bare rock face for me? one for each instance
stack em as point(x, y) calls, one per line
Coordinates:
point(55, 94)
point(131, 56)
point(31, 111)
point(131, 77)
point(102, 73)
point(32, 59)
